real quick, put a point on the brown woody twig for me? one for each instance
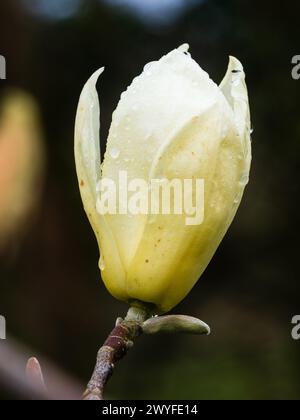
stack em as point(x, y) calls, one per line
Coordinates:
point(124, 334)
point(115, 347)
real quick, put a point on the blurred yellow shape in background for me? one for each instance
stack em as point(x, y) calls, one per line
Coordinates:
point(21, 164)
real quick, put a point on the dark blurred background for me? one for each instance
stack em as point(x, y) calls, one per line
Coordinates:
point(50, 288)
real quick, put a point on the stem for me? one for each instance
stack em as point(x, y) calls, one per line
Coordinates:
point(114, 349)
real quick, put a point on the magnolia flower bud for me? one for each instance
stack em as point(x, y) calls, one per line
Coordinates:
point(173, 122)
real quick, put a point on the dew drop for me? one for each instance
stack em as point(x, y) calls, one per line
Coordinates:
point(114, 153)
point(102, 263)
point(147, 66)
point(244, 179)
point(148, 69)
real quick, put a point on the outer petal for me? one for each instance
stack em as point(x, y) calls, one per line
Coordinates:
point(157, 105)
point(172, 256)
point(235, 91)
point(214, 146)
point(87, 146)
point(87, 157)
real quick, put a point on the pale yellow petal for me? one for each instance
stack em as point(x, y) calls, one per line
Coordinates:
point(235, 91)
point(158, 103)
point(87, 157)
point(171, 255)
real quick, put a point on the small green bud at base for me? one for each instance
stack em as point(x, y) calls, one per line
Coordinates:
point(175, 324)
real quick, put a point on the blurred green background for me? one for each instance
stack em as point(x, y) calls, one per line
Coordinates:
point(50, 288)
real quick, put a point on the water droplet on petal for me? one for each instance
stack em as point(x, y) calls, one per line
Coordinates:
point(244, 179)
point(114, 153)
point(102, 263)
point(148, 68)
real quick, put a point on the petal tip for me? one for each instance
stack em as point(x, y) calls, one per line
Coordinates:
point(95, 76)
point(184, 48)
point(235, 66)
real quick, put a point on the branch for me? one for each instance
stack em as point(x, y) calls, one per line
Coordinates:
point(122, 338)
point(114, 349)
